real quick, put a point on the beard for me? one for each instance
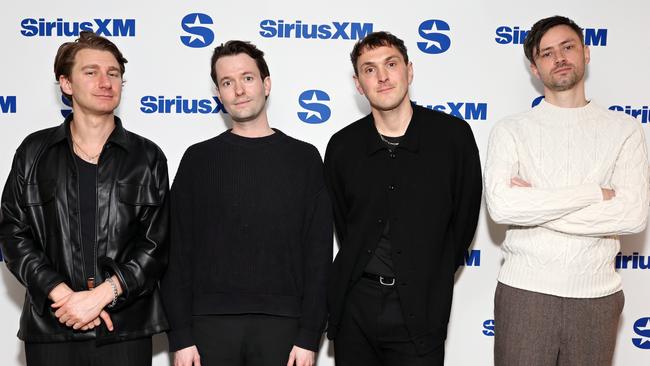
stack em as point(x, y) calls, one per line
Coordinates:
point(563, 82)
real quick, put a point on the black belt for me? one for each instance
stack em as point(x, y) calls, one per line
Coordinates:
point(382, 280)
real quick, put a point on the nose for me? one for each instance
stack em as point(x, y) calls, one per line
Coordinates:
point(105, 81)
point(239, 89)
point(382, 75)
point(559, 56)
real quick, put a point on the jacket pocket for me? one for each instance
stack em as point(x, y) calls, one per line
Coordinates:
point(38, 194)
point(138, 195)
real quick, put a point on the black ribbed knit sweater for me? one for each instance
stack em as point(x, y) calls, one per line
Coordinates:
point(251, 233)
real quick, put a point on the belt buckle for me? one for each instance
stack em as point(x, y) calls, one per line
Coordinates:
point(391, 283)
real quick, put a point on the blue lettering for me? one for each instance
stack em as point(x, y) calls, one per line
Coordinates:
point(642, 113)
point(473, 258)
point(8, 104)
point(336, 30)
point(595, 37)
point(124, 27)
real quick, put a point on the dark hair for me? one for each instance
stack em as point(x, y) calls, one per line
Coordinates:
point(234, 47)
point(64, 60)
point(374, 40)
point(531, 43)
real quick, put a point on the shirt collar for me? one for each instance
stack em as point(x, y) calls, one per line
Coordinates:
point(117, 137)
point(410, 142)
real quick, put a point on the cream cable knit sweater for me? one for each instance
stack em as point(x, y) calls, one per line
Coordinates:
point(563, 237)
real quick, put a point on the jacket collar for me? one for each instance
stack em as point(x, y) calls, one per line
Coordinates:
point(411, 141)
point(118, 137)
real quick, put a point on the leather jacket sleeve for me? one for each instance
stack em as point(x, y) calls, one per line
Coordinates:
point(145, 263)
point(25, 258)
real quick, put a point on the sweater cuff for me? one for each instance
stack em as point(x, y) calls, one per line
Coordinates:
point(308, 339)
point(180, 338)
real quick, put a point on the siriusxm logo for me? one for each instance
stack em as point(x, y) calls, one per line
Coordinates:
point(194, 24)
point(179, 105)
point(473, 258)
point(642, 113)
point(433, 30)
point(336, 30)
point(488, 328)
point(634, 261)
point(642, 329)
point(311, 100)
point(536, 101)
point(8, 103)
point(515, 35)
point(66, 111)
point(465, 110)
point(59, 28)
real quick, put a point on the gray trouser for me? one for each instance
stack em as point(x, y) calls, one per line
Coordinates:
point(535, 329)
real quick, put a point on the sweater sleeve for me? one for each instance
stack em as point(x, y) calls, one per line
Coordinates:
point(176, 286)
point(526, 206)
point(627, 213)
point(317, 257)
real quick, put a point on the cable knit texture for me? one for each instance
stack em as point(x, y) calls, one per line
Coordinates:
point(563, 237)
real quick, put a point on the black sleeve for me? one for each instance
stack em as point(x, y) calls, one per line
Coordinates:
point(336, 191)
point(317, 258)
point(22, 254)
point(467, 196)
point(176, 286)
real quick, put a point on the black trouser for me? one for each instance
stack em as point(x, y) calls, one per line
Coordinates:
point(373, 332)
point(135, 352)
point(244, 340)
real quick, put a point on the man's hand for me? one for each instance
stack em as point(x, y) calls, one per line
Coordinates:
point(59, 292)
point(188, 356)
point(81, 308)
point(301, 357)
point(608, 194)
point(518, 182)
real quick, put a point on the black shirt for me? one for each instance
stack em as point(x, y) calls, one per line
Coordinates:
point(381, 262)
point(251, 233)
point(88, 209)
point(429, 189)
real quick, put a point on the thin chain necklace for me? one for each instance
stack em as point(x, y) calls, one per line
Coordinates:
point(386, 141)
point(88, 157)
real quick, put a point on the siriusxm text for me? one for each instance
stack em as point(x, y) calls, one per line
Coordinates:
point(40, 27)
point(514, 35)
point(335, 30)
point(180, 105)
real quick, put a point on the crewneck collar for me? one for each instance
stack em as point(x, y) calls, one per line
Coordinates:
point(235, 139)
point(566, 113)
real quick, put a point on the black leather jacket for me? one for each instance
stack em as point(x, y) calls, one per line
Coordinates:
point(40, 233)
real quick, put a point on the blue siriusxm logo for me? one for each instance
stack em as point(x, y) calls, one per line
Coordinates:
point(488, 328)
point(536, 101)
point(8, 103)
point(60, 28)
point(336, 30)
point(465, 110)
point(642, 329)
point(178, 105)
point(472, 258)
point(634, 261)
point(433, 30)
point(68, 107)
point(514, 35)
point(200, 35)
point(317, 112)
point(641, 113)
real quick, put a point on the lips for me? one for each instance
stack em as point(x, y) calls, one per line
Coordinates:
point(562, 69)
point(385, 89)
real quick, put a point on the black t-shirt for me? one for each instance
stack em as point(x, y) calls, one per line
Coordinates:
point(88, 209)
point(381, 262)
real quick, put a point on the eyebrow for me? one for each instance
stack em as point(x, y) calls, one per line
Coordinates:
point(95, 66)
point(389, 58)
point(561, 44)
point(241, 74)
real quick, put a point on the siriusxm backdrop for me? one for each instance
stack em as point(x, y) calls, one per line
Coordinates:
point(468, 61)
